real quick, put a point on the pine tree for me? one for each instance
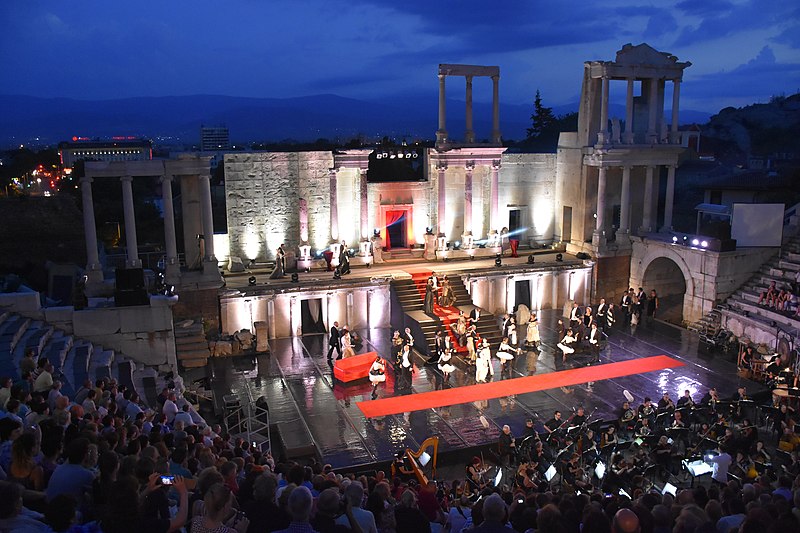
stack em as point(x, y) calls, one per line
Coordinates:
point(542, 118)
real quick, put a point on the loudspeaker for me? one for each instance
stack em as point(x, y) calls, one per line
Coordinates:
point(129, 279)
point(130, 289)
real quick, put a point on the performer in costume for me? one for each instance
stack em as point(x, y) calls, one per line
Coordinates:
point(429, 297)
point(484, 363)
point(566, 344)
point(445, 366)
point(280, 264)
point(448, 298)
point(532, 335)
point(505, 353)
point(347, 344)
point(377, 374)
point(344, 260)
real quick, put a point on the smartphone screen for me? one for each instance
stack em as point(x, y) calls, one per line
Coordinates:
point(167, 480)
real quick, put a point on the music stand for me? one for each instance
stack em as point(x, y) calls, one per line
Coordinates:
point(697, 468)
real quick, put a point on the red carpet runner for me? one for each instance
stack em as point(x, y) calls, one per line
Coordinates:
point(508, 387)
point(448, 315)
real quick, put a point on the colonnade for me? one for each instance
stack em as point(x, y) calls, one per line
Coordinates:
point(468, 72)
point(172, 266)
point(469, 169)
point(648, 201)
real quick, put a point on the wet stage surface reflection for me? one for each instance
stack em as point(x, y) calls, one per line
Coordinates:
point(297, 381)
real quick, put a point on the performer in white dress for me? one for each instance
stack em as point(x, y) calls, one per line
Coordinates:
point(377, 374)
point(512, 332)
point(532, 335)
point(484, 363)
point(445, 366)
point(347, 345)
point(505, 353)
point(566, 344)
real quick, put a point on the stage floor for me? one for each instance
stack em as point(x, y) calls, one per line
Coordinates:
point(297, 381)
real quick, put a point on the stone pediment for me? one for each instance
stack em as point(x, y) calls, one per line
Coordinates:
point(644, 54)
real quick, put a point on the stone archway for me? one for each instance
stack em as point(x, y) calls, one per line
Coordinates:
point(665, 276)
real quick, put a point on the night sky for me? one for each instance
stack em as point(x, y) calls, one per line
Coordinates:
point(742, 51)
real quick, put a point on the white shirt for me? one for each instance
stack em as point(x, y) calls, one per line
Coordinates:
point(364, 518)
point(170, 410)
point(721, 463)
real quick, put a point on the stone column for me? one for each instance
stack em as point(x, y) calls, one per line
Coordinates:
point(496, 137)
point(334, 207)
point(94, 270)
point(441, 133)
point(173, 269)
point(295, 319)
point(676, 95)
point(647, 202)
point(271, 317)
point(131, 245)
point(469, 135)
point(349, 318)
point(469, 168)
point(628, 137)
point(364, 205)
point(511, 294)
point(207, 212)
point(602, 134)
point(652, 126)
point(554, 294)
point(599, 228)
point(494, 217)
point(670, 198)
point(441, 168)
point(370, 294)
point(625, 203)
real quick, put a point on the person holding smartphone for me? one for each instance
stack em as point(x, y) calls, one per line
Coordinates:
point(219, 516)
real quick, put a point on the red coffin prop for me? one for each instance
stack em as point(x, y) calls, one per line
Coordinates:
point(353, 368)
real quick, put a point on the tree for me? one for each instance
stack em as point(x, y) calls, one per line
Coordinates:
point(542, 119)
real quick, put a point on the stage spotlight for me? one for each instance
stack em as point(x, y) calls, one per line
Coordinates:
point(531, 259)
point(559, 258)
point(685, 240)
point(295, 277)
point(337, 274)
point(251, 281)
point(498, 260)
point(674, 239)
point(429, 230)
point(457, 245)
point(704, 244)
point(695, 242)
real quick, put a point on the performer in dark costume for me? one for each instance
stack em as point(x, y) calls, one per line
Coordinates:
point(280, 264)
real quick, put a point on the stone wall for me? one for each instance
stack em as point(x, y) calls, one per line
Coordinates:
point(262, 193)
point(527, 182)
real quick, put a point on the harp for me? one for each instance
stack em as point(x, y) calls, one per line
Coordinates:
point(419, 463)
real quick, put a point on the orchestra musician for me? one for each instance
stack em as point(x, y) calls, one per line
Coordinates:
point(578, 418)
point(666, 403)
point(646, 410)
point(527, 478)
point(506, 446)
point(475, 473)
point(609, 437)
point(627, 417)
point(643, 428)
point(686, 399)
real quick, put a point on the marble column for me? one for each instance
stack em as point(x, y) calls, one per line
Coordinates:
point(647, 202)
point(441, 169)
point(628, 137)
point(131, 245)
point(496, 137)
point(602, 135)
point(349, 317)
point(670, 198)
point(599, 229)
point(295, 318)
point(554, 293)
point(511, 293)
point(441, 133)
point(172, 267)
point(204, 181)
point(364, 204)
point(469, 168)
point(334, 205)
point(94, 270)
point(652, 122)
point(469, 135)
point(676, 95)
point(625, 203)
point(494, 216)
point(271, 317)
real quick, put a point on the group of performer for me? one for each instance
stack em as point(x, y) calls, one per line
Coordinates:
point(342, 340)
point(644, 442)
point(438, 292)
point(279, 270)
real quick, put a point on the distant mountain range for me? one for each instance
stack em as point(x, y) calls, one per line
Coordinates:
point(177, 119)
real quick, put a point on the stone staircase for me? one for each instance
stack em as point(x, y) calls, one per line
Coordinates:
point(782, 269)
point(74, 359)
point(191, 346)
point(410, 294)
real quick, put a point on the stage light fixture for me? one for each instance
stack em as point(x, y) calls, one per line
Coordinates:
point(685, 240)
point(559, 258)
point(674, 239)
point(531, 259)
point(704, 244)
point(337, 274)
point(498, 260)
point(251, 281)
point(295, 277)
point(695, 242)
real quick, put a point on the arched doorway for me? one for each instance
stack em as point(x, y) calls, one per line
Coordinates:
point(665, 277)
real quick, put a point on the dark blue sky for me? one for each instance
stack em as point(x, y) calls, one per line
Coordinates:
point(743, 51)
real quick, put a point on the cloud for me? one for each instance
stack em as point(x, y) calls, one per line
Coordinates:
point(707, 25)
point(704, 8)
